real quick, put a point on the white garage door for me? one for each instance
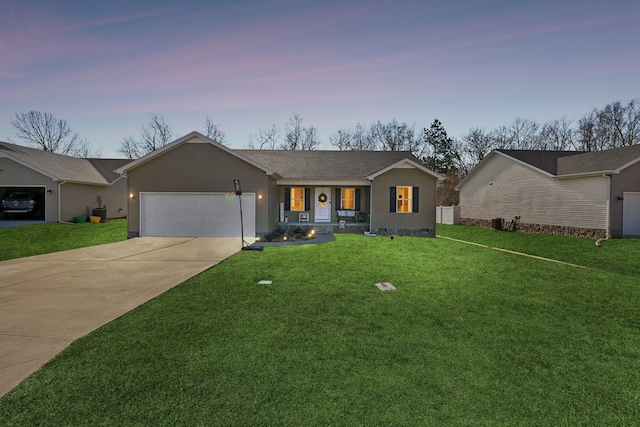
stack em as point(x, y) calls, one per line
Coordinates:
point(631, 214)
point(196, 215)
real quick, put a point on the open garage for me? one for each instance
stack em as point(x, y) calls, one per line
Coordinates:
point(22, 203)
point(165, 214)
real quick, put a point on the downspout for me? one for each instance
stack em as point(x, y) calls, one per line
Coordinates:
point(608, 229)
point(59, 204)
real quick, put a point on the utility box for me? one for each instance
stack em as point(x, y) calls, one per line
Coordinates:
point(496, 223)
point(101, 212)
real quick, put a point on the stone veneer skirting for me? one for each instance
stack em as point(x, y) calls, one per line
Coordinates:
point(420, 232)
point(559, 230)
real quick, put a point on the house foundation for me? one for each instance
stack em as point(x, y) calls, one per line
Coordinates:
point(558, 230)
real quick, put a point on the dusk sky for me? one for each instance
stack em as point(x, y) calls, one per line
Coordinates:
point(104, 66)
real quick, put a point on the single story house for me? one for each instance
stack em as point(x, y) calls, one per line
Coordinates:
point(591, 194)
point(63, 187)
point(186, 188)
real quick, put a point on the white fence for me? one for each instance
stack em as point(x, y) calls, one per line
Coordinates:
point(448, 214)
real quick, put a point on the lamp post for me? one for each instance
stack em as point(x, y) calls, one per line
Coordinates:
point(238, 190)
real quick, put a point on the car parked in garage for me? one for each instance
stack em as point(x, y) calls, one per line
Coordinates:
point(20, 203)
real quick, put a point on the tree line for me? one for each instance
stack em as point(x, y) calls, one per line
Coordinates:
point(615, 125)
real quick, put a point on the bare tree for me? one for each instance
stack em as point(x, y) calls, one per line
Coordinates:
point(85, 151)
point(524, 134)
point(556, 135)
point(310, 139)
point(265, 139)
point(446, 194)
point(154, 135)
point(395, 136)
point(619, 124)
point(357, 139)
point(632, 111)
point(293, 133)
point(297, 137)
point(614, 126)
point(477, 144)
point(214, 132)
point(43, 131)
point(586, 134)
point(342, 139)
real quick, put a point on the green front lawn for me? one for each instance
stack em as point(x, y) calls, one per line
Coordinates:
point(471, 336)
point(28, 240)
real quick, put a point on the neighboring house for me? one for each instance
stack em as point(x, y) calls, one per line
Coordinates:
point(186, 189)
point(63, 187)
point(592, 194)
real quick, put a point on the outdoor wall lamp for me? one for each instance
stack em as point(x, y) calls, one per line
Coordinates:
point(259, 196)
point(131, 196)
point(621, 198)
point(49, 191)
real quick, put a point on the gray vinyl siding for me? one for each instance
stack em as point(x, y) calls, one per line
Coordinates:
point(425, 218)
point(503, 188)
point(197, 167)
point(273, 203)
point(627, 180)
point(81, 199)
point(15, 175)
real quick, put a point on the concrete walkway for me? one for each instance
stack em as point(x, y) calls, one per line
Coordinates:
point(48, 301)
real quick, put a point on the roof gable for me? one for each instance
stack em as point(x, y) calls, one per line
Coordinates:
point(406, 163)
point(191, 137)
point(569, 164)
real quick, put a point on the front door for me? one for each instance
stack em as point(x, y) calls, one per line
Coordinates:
point(323, 204)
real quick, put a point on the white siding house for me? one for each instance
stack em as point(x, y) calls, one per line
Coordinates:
point(554, 192)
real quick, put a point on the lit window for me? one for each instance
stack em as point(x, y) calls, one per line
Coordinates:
point(348, 198)
point(405, 199)
point(297, 199)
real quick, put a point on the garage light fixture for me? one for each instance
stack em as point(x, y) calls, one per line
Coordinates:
point(259, 196)
point(131, 196)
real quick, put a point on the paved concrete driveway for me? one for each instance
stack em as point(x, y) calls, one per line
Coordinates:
point(48, 301)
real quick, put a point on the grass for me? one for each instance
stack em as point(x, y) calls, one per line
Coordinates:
point(29, 240)
point(471, 336)
point(615, 255)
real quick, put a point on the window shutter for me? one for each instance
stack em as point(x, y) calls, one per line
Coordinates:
point(307, 199)
point(415, 199)
point(338, 201)
point(392, 199)
point(357, 199)
point(287, 198)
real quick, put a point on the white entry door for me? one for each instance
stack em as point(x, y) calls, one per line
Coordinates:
point(631, 214)
point(323, 204)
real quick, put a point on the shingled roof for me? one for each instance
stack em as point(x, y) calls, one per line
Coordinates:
point(577, 162)
point(307, 164)
point(544, 160)
point(64, 168)
point(597, 161)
